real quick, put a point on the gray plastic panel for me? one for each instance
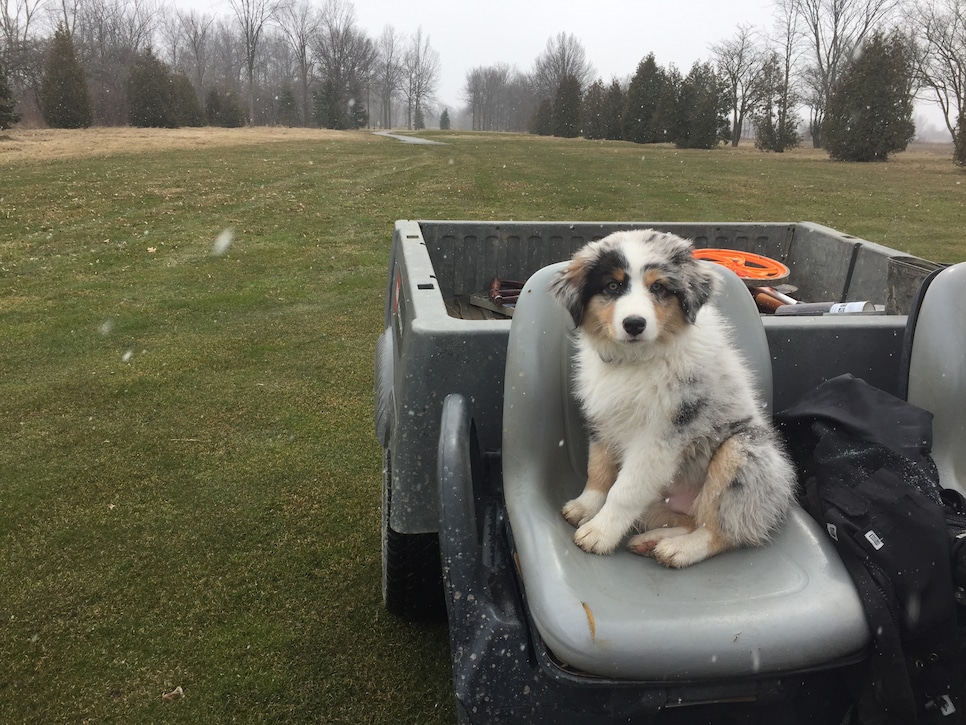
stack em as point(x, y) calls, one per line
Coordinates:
point(871, 273)
point(807, 351)
point(467, 255)
point(937, 371)
point(785, 606)
point(820, 261)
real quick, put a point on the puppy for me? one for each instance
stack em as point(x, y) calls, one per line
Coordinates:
point(679, 445)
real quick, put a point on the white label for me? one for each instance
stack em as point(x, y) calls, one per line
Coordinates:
point(946, 706)
point(873, 538)
point(845, 308)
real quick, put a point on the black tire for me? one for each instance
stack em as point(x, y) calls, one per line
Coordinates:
point(412, 576)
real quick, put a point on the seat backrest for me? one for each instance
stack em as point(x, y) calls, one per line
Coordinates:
point(935, 368)
point(538, 393)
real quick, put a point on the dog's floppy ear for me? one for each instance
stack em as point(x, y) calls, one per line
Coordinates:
point(699, 284)
point(567, 287)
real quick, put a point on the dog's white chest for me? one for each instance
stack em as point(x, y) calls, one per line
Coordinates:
point(622, 399)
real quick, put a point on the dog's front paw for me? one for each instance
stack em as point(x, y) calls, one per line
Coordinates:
point(596, 539)
point(676, 548)
point(583, 508)
point(644, 544)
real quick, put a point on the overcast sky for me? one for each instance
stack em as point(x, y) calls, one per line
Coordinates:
point(616, 34)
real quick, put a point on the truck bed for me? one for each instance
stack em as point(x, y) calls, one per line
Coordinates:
point(437, 342)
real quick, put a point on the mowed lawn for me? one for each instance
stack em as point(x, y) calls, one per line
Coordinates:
point(189, 480)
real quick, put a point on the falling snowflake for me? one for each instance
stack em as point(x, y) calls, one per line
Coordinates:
point(223, 242)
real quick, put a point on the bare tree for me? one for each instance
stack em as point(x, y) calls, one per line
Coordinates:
point(196, 30)
point(299, 22)
point(346, 59)
point(563, 56)
point(19, 54)
point(776, 122)
point(741, 62)
point(252, 16)
point(421, 66)
point(65, 13)
point(139, 22)
point(227, 57)
point(833, 31)
point(171, 37)
point(941, 27)
point(16, 20)
point(108, 36)
point(487, 91)
point(389, 74)
point(274, 75)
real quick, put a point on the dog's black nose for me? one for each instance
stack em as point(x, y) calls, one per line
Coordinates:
point(635, 325)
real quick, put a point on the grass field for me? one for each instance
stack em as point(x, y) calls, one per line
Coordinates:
point(189, 481)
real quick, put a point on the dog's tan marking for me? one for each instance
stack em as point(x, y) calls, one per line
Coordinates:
point(602, 469)
point(598, 318)
point(651, 276)
point(667, 307)
point(725, 465)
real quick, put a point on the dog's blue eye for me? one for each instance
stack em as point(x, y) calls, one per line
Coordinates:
point(613, 286)
point(659, 289)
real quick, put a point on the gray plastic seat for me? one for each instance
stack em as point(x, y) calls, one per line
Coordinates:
point(789, 605)
point(937, 369)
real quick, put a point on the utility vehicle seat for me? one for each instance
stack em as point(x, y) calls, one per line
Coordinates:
point(789, 605)
point(935, 367)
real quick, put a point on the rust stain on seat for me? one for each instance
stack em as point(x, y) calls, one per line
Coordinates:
point(590, 620)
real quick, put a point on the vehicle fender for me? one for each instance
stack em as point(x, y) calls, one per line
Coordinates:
point(383, 388)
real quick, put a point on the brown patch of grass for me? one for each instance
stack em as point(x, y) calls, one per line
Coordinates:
point(49, 144)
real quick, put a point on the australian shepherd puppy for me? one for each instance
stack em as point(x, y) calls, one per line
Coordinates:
point(680, 448)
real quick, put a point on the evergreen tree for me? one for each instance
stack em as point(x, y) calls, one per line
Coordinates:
point(702, 110)
point(223, 110)
point(959, 147)
point(185, 107)
point(541, 122)
point(8, 116)
point(613, 111)
point(592, 112)
point(776, 125)
point(149, 93)
point(444, 122)
point(342, 109)
point(64, 99)
point(667, 114)
point(288, 107)
point(566, 108)
point(213, 107)
point(327, 109)
point(641, 103)
point(869, 113)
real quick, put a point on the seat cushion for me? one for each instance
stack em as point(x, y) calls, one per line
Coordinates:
point(788, 605)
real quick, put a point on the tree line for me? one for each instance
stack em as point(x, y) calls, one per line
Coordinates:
point(867, 115)
point(841, 73)
point(265, 62)
point(308, 62)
